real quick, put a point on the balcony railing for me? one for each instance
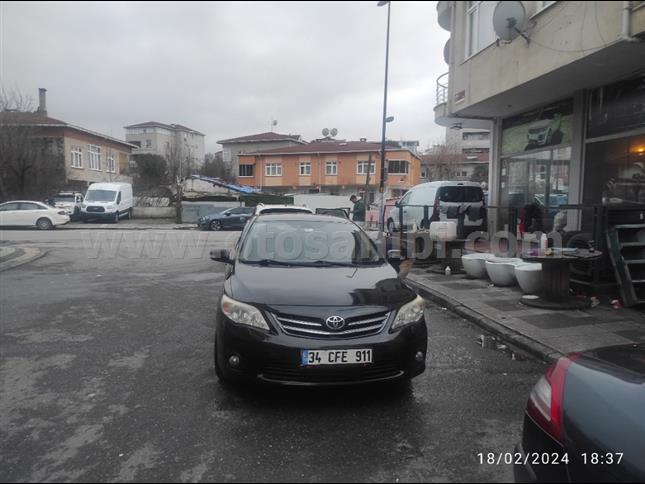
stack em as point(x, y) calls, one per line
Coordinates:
point(442, 89)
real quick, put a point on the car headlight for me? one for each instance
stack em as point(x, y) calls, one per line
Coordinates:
point(409, 313)
point(242, 313)
point(110, 207)
point(83, 205)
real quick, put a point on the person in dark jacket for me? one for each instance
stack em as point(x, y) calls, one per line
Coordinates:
point(358, 211)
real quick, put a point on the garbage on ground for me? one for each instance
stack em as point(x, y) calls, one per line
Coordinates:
point(616, 304)
point(594, 301)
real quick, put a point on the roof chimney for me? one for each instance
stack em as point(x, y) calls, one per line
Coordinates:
point(42, 101)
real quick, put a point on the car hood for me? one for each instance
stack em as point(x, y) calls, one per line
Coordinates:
point(281, 287)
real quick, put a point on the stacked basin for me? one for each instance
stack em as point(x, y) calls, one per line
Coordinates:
point(504, 271)
point(529, 277)
point(475, 264)
point(501, 270)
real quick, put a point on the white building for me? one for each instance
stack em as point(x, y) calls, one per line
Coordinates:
point(160, 139)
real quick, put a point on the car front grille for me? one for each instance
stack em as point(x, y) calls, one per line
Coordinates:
point(356, 327)
point(344, 374)
point(95, 209)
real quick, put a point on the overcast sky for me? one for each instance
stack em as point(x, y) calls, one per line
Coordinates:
point(226, 69)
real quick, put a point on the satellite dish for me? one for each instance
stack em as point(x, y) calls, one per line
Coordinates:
point(509, 21)
point(334, 132)
point(325, 132)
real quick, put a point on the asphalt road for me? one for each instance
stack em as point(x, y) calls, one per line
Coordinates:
point(107, 375)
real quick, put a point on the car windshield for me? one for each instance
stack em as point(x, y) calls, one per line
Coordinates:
point(308, 243)
point(101, 196)
point(64, 198)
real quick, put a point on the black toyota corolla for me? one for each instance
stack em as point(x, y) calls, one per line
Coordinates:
point(308, 300)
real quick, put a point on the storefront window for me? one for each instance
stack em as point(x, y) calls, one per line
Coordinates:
point(615, 171)
point(540, 178)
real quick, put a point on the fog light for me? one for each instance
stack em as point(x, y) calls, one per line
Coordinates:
point(234, 361)
point(420, 356)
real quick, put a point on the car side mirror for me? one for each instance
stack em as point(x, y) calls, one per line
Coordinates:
point(221, 255)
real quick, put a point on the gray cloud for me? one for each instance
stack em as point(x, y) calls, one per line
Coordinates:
point(227, 68)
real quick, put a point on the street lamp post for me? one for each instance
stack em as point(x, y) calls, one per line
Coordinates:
point(385, 120)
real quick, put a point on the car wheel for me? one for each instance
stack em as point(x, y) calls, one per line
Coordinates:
point(216, 225)
point(116, 218)
point(131, 214)
point(44, 224)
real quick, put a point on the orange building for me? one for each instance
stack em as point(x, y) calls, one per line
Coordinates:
point(330, 166)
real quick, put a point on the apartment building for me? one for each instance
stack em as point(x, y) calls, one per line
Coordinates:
point(161, 139)
point(232, 148)
point(564, 101)
point(89, 156)
point(331, 166)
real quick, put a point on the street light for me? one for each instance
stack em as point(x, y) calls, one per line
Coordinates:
point(385, 121)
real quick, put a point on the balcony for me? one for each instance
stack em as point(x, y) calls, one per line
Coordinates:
point(444, 14)
point(442, 89)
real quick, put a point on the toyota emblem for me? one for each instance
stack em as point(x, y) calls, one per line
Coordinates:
point(335, 323)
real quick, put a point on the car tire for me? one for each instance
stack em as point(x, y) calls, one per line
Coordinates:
point(116, 218)
point(44, 224)
point(131, 214)
point(215, 225)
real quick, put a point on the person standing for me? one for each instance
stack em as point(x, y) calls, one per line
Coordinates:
point(358, 211)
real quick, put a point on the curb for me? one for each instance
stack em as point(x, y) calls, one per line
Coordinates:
point(521, 341)
point(127, 227)
point(30, 255)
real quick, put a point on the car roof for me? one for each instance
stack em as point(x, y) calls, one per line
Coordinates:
point(25, 201)
point(261, 207)
point(435, 184)
point(304, 217)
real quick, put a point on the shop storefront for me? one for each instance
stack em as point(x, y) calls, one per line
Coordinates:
point(536, 160)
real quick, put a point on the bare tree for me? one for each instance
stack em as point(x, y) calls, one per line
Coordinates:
point(31, 163)
point(442, 161)
point(179, 165)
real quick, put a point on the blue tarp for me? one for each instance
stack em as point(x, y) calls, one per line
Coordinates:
point(231, 186)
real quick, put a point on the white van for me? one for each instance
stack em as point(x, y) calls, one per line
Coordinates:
point(445, 201)
point(107, 201)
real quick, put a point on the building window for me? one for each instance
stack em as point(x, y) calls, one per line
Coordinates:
point(362, 168)
point(482, 136)
point(77, 157)
point(331, 168)
point(397, 167)
point(94, 153)
point(273, 169)
point(246, 170)
point(226, 156)
point(148, 143)
point(305, 168)
point(111, 165)
point(480, 33)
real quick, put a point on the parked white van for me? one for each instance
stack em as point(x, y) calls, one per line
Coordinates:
point(445, 201)
point(107, 201)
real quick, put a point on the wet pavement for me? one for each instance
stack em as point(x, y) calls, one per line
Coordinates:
point(107, 375)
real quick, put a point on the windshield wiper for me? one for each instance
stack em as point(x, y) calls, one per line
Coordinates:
point(266, 262)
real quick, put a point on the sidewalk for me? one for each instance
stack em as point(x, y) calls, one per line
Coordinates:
point(544, 333)
point(135, 224)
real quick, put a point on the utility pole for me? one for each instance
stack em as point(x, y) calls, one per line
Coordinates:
point(382, 183)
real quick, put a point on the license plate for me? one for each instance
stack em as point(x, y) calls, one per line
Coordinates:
point(335, 357)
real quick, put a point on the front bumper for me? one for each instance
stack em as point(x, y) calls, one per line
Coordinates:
point(97, 215)
point(275, 358)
